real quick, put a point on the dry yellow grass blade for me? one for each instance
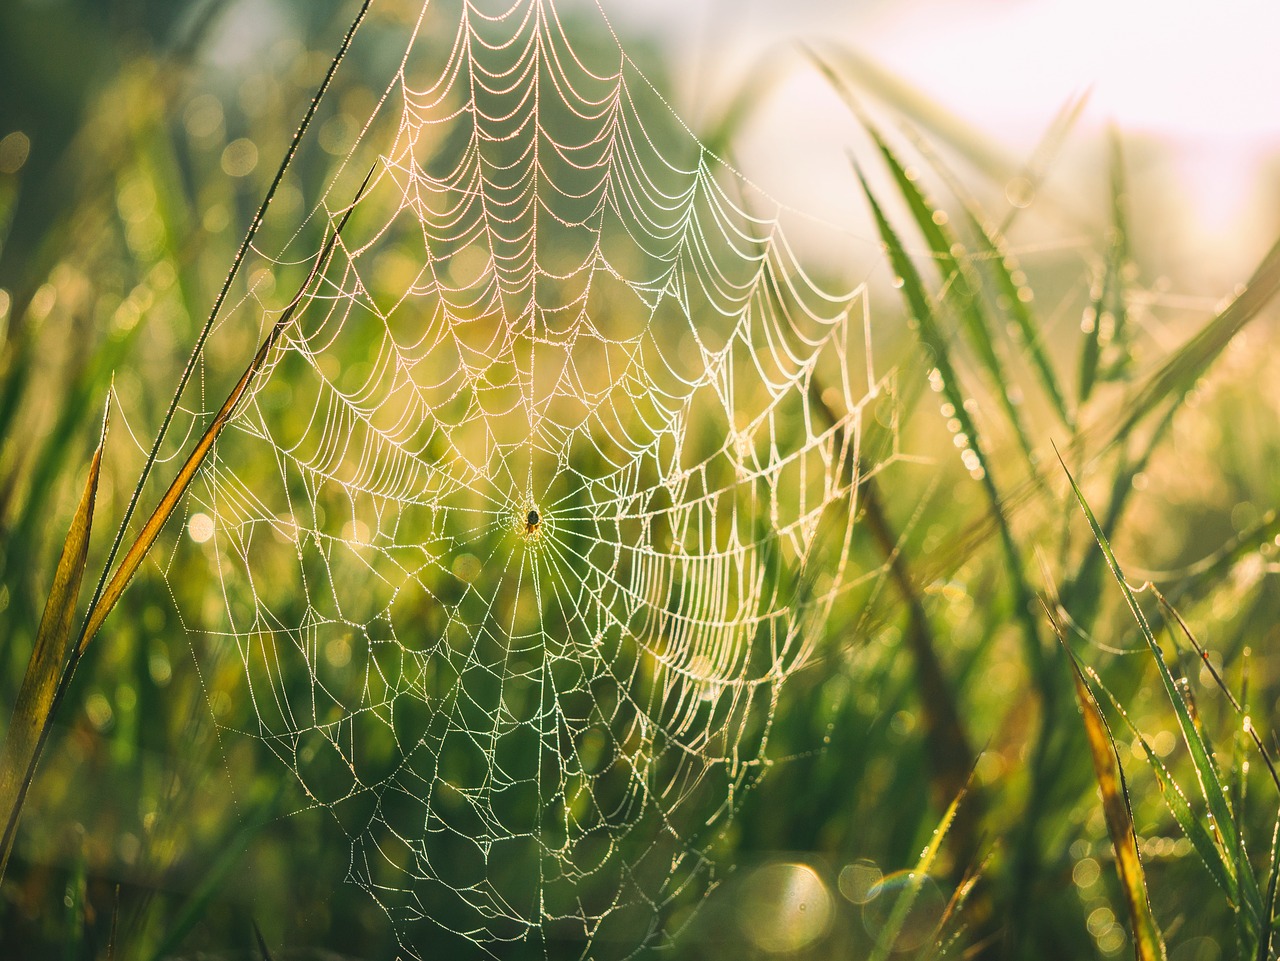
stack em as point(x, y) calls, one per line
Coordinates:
point(1148, 943)
point(37, 695)
point(55, 658)
point(146, 538)
point(141, 546)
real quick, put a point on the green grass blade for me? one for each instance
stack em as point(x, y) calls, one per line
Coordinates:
point(1265, 935)
point(1207, 776)
point(1175, 799)
point(960, 285)
point(1035, 171)
point(1109, 308)
point(1180, 373)
point(951, 755)
point(1013, 295)
point(1217, 565)
point(1121, 258)
point(261, 942)
point(904, 100)
point(219, 869)
point(920, 307)
point(34, 708)
point(1085, 588)
point(1016, 302)
point(723, 129)
point(16, 367)
point(1238, 788)
point(906, 899)
point(49, 464)
point(198, 348)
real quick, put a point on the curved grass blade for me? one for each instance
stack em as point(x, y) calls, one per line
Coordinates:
point(1207, 776)
point(719, 136)
point(189, 914)
point(1221, 869)
point(1085, 587)
point(1108, 307)
point(951, 756)
point(904, 100)
point(1176, 376)
point(49, 463)
point(1266, 935)
point(1238, 794)
point(34, 709)
point(1179, 374)
point(906, 899)
point(1016, 304)
point(960, 284)
point(198, 348)
point(1240, 709)
point(1147, 940)
point(141, 546)
point(61, 669)
point(920, 308)
point(1013, 295)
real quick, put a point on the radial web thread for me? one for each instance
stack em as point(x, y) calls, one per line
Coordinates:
point(550, 302)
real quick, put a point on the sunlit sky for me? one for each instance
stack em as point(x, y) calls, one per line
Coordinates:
point(1199, 78)
point(1192, 85)
point(1187, 68)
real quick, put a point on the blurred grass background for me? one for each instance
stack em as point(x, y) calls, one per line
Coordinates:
point(136, 140)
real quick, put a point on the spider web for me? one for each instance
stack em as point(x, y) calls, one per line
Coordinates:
point(535, 508)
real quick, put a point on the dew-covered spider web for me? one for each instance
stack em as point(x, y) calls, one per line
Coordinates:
point(543, 495)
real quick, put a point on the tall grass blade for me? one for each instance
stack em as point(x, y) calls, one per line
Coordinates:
point(1236, 704)
point(198, 348)
point(261, 942)
point(1085, 588)
point(1237, 787)
point(1207, 776)
point(931, 334)
point(721, 132)
point(33, 710)
point(16, 368)
point(1109, 304)
point(1013, 294)
point(1147, 940)
point(49, 464)
point(1175, 377)
point(58, 663)
point(951, 756)
point(1121, 251)
point(1266, 935)
point(950, 753)
point(115, 926)
point(1036, 169)
point(1179, 374)
point(1015, 301)
point(960, 284)
point(220, 868)
point(979, 149)
point(1175, 799)
point(1212, 568)
point(141, 546)
point(906, 899)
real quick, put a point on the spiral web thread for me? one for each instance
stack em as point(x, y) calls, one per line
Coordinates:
point(536, 506)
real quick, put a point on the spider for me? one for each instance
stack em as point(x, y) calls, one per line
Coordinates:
point(532, 522)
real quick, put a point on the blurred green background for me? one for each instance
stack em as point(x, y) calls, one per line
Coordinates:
point(136, 140)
